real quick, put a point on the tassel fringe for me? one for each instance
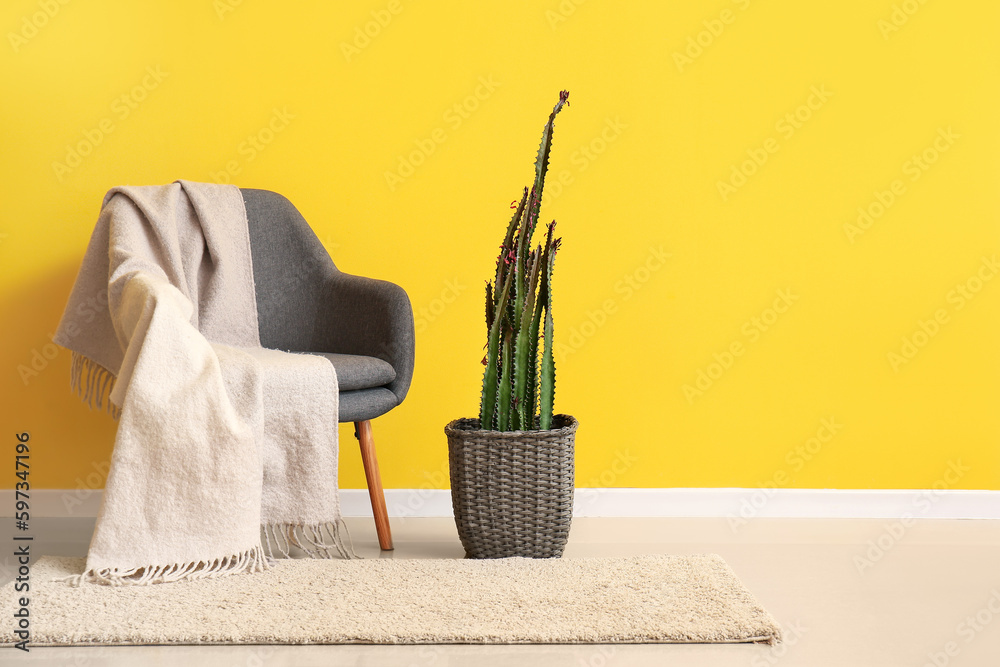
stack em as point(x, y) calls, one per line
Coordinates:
point(251, 560)
point(321, 540)
point(93, 383)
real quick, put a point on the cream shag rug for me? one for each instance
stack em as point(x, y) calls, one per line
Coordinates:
point(669, 599)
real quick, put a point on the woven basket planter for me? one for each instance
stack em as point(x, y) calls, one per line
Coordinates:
point(512, 491)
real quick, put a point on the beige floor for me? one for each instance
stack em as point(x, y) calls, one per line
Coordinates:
point(849, 593)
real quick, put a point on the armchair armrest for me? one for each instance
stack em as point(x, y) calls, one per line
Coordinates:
point(368, 317)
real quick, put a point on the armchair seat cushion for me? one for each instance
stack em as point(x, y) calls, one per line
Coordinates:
point(362, 404)
point(358, 372)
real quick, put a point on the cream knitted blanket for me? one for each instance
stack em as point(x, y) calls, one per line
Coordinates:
point(219, 440)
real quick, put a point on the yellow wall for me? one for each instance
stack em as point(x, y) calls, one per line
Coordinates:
point(656, 129)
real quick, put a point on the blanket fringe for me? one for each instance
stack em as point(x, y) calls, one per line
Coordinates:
point(93, 383)
point(251, 560)
point(319, 540)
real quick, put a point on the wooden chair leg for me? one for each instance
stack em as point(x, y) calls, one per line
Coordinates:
point(363, 431)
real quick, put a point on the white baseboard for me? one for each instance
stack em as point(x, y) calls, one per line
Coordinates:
point(615, 502)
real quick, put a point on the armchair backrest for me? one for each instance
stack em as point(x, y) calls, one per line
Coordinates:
point(305, 304)
point(289, 265)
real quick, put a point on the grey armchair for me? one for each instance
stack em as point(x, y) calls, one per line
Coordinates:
point(363, 326)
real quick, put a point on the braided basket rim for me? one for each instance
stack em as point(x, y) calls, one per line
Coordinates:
point(468, 427)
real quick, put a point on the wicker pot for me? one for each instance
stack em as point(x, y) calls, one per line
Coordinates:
point(512, 491)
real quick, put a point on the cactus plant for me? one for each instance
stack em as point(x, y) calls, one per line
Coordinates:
point(515, 383)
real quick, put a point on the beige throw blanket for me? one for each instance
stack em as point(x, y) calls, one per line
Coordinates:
point(219, 440)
